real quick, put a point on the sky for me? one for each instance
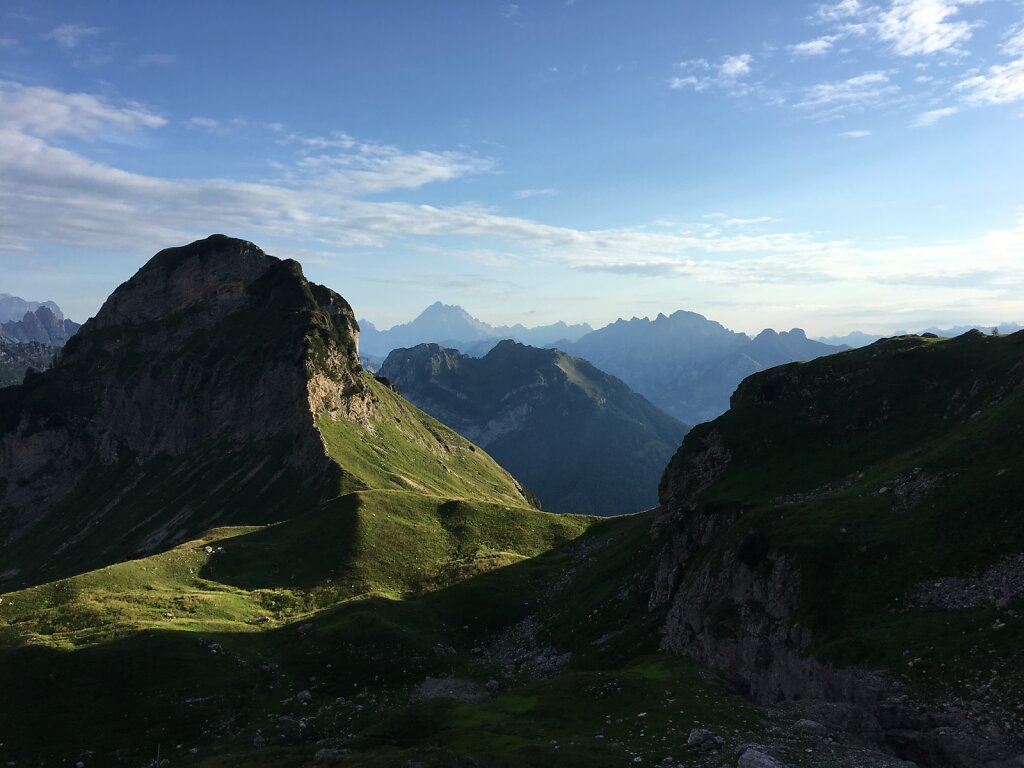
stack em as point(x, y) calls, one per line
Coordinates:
point(830, 166)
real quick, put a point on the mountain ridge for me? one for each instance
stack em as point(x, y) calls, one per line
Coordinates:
point(223, 365)
point(576, 436)
point(451, 325)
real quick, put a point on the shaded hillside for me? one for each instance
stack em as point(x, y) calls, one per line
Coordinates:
point(686, 364)
point(577, 437)
point(858, 513)
point(215, 387)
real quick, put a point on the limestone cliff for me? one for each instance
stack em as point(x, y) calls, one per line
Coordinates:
point(799, 530)
point(194, 398)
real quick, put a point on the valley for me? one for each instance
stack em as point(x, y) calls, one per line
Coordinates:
point(225, 542)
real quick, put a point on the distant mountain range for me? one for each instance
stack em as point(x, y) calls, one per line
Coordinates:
point(575, 436)
point(43, 325)
point(683, 363)
point(689, 365)
point(15, 307)
point(860, 339)
point(30, 333)
point(453, 327)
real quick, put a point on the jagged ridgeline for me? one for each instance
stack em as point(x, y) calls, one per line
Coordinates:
point(577, 437)
point(216, 387)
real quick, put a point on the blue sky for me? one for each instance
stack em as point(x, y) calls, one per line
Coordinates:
point(833, 166)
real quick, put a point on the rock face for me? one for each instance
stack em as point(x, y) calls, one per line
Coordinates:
point(577, 437)
point(42, 326)
point(798, 530)
point(190, 399)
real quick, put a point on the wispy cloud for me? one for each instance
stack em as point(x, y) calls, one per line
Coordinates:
point(46, 112)
point(932, 116)
point(701, 75)
point(1001, 84)
point(206, 123)
point(855, 94)
point(817, 47)
point(524, 194)
point(840, 11)
point(921, 27)
point(68, 36)
point(858, 134)
point(512, 13)
point(157, 60)
point(335, 199)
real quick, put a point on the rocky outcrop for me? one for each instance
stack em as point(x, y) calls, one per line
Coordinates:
point(215, 349)
point(41, 326)
point(735, 567)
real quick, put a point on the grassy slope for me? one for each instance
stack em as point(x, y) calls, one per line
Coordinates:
point(405, 449)
point(950, 411)
point(123, 691)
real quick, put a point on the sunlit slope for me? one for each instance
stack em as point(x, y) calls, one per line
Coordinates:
point(216, 387)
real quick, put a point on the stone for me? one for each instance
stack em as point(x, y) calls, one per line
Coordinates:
point(755, 758)
point(703, 739)
point(810, 728)
point(304, 696)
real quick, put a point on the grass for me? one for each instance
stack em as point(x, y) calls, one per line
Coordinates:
point(880, 419)
point(107, 677)
point(404, 449)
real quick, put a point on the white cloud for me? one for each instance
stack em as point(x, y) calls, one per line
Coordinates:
point(859, 134)
point(1014, 45)
point(1002, 84)
point(42, 111)
point(933, 116)
point(524, 194)
point(843, 10)
point(733, 67)
point(68, 36)
point(701, 75)
point(853, 94)
point(817, 47)
point(206, 123)
point(915, 27)
point(52, 195)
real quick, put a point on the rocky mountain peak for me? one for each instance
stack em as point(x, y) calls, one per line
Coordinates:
point(212, 275)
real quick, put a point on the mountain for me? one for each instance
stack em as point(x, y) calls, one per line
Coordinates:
point(686, 364)
point(17, 359)
point(292, 565)
point(577, 437)
point(215, 387)
point(853, 340)
point(860, 339)
point(43, 326)
point(850, 531)
point(15, 308)
point(452, 326)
